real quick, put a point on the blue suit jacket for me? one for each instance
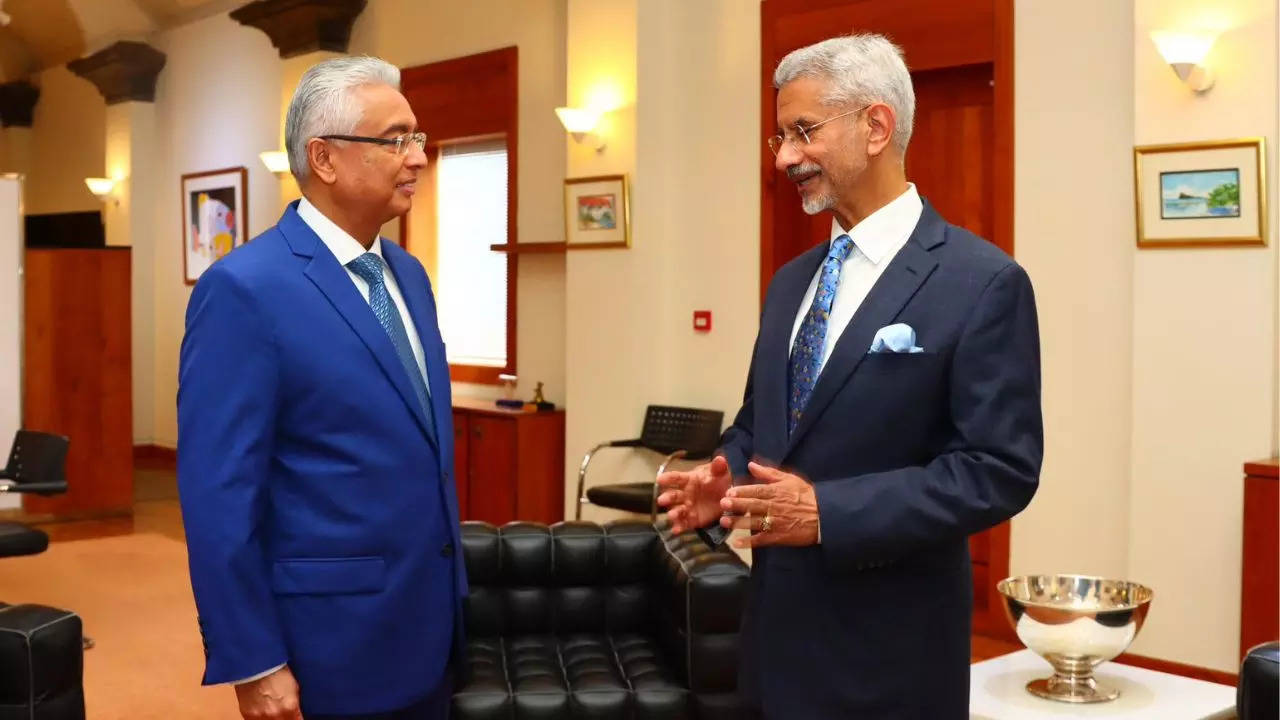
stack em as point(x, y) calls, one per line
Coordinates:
point(909, 455)
point(321, 520)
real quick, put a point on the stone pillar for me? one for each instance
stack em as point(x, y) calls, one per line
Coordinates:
point(125, 73)
point(305, 32)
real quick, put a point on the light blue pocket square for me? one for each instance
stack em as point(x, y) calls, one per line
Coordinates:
point(897, 338)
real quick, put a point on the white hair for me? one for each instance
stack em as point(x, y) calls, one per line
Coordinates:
point(861, 69)
point(322, 103)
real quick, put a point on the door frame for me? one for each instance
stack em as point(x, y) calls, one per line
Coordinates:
point(935, 34)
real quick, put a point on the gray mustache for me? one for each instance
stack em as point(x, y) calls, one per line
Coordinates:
point(796, 171)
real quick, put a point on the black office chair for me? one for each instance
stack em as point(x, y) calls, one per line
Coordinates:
point(37, 464)
point(674, 432)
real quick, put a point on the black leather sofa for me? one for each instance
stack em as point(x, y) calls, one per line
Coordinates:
point(1258, 693)
point(41, 664)
point(580, 620)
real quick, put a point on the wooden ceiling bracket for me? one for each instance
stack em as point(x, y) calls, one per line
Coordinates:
point(297, 27)
point(123, 72)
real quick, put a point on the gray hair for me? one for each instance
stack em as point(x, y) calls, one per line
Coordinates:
point(862, 69)
point(322, 103)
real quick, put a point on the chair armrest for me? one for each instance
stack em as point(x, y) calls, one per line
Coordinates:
point(45, 488)
point(703, 590)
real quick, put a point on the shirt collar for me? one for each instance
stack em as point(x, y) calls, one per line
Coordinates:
point(886, 228)
point(344, 247)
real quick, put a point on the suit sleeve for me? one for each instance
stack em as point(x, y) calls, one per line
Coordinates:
point(990, 469)
point(227, 398)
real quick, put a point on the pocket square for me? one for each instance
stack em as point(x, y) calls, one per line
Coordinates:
point(896, 338)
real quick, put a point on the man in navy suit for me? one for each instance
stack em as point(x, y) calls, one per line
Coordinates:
point(892, 410)
point(315, 451)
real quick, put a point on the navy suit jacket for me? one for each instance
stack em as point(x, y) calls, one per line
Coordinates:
point(909, 454)
point(321, 519)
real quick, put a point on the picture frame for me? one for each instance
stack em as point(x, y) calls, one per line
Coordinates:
point(215, 210)
point(597, 212)
point(1201, 194)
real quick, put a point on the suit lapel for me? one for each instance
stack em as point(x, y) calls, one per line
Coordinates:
point(771, 380)
point(893, 290)
point(332, 280)
point(422, 315)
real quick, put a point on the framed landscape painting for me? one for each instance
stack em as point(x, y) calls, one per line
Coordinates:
point(596, 212)
point(1205, 194)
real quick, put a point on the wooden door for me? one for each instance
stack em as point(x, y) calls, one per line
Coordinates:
point(492, 484)
point(960, 53)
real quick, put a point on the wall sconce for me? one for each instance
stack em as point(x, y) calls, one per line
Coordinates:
point(1185, 52)
point(277, 161)
point(581, 124)
point(102, 188)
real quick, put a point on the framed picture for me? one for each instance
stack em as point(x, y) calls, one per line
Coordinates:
point(597, 213)
point(215, 210)
point(1202, 194)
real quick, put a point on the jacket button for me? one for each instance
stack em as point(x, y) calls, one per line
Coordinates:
point(447, 550)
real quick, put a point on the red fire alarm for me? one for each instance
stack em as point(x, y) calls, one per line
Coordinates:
point(702, 320)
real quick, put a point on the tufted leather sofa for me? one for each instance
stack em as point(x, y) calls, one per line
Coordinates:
point(1258, 692)
point(41, 664)
point(579, 620)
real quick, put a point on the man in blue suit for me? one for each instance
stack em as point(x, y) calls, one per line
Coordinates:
point(315, 452)
point(892, 410)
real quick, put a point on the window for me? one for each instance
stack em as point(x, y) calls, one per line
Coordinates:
point(471, 279)
point(466, 205)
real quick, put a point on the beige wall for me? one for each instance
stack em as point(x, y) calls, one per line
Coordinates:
point(217, 106)
point(630, 341)
point(68, 144)
point(1073, 230)
point(1204, 346)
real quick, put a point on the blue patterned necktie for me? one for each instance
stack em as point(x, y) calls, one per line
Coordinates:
point(369, 267)
point(806, 353)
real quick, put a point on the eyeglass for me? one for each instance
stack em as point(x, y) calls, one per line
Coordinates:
point(803, 133)
point(400, 143)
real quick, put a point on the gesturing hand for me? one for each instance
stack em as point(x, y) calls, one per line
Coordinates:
point(692, 497)
point(273, 697)
point(783, 509)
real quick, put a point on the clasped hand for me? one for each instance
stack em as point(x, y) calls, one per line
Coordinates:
point(781, 509)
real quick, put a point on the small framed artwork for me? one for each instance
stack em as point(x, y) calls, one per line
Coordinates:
point(1202, 194)
point(597, 213)
point(215, 210)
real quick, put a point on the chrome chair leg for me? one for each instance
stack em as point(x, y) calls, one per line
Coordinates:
point(582, 479)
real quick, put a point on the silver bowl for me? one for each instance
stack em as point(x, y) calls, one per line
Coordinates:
point(1076, 623)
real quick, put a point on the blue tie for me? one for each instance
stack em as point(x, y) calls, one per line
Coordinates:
point(806, 353)
point(369, 267)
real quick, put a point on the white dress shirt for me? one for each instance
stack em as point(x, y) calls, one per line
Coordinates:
point(876, 240)
point(345, 248)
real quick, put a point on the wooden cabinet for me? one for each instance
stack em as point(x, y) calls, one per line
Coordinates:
point(1260, 555)
point(77, 376)
point(509, 465)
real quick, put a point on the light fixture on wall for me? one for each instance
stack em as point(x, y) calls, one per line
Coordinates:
point(1185, 52)
point(103, 188)
point(582, 124)
point(277, 161)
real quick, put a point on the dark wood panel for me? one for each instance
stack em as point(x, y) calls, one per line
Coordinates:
point(462, 462)
point(1260, 557)
point(934, 33)
point(492, 486)
point(77, 375)
point(540, 456)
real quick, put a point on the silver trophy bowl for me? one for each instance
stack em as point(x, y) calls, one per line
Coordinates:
point(1076, 623)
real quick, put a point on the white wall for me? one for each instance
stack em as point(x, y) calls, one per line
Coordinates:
point(1073, 232)
point(11, 252)
point(1204, 346)
point(687, 76)
point(217, 106)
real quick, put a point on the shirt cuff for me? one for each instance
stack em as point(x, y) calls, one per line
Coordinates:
point(259, 676)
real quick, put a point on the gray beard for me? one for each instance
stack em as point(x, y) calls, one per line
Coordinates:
point(817, 203)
